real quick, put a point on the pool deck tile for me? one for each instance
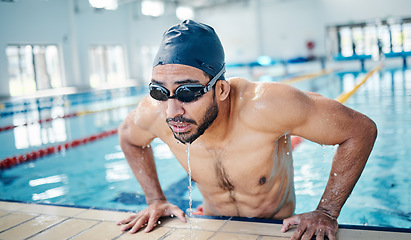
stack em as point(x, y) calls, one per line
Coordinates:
point(158, 233)
point(233, 236)
point(13, 219)
point(11, 206)
point(31, 227)
point(268, 229)
point(197, 224)
point(103, 215)
point(38, 221)
point(52, 210)
point(66, 229)
point(182, 233)
point(103, 230)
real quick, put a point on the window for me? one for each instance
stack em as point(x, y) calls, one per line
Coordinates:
point(407, 37)
point(371, 38)
point(148, 53)
point(107, 65)
point(358, 38)
point(384, 36)
point(32, 68)
point(396, 36)
point(346, 42)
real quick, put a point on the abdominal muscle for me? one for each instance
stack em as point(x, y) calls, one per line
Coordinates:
point(278, 202)
point(243, 183)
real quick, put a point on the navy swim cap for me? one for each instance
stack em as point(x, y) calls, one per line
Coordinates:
point(193, 44)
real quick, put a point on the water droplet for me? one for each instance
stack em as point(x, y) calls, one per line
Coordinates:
point(288, 153)
point(141, 171)
point(335, 174)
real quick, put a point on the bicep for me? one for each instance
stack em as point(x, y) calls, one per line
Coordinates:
point(327, 121)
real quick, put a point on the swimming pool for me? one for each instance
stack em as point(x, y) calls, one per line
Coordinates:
point(96, 174)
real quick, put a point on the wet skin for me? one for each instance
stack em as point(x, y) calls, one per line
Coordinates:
point(242, 163)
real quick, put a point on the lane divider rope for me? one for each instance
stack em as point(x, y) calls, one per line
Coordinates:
point(31, 156)
point(305, 77)
point(80, 113)
point(346, 95)
point(295, 140)
point(67, 101)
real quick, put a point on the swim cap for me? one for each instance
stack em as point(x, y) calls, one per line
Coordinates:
point(193, 44)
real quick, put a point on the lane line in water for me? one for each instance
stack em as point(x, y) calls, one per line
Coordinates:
point(306, 77)
point(16, 160)
point(346, 95)
point(76, 114)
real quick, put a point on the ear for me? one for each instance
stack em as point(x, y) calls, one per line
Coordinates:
point(223, 89)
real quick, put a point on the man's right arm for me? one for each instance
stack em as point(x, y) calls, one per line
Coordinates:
point(134, 142)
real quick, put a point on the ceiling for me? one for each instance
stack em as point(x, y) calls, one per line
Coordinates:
point(201, 4)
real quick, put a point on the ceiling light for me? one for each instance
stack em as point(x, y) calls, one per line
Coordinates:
point(184, 13)
point(104, 4)
point(152, 8)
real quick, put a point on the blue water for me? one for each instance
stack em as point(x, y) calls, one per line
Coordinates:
point(97, 175)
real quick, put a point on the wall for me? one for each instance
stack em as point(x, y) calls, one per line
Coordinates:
point(26, 22)
point(278, 28)
point(288, 24)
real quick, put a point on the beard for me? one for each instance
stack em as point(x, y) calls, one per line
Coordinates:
point(190, 136)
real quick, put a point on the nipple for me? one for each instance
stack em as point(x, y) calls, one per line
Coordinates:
point(262, 181)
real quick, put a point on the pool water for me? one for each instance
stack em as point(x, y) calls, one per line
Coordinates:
point(97, 175)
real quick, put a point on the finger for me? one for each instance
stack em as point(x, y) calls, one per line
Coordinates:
point(138, 224)
point(320, 235)
point(298, 232)
point(308, 234)
point(289, 222)
point(180, 215)
point(153, 219)
point(127, 220)
point(129, 223)
point(331, 235)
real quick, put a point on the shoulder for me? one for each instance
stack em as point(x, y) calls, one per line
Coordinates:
point(269, 106)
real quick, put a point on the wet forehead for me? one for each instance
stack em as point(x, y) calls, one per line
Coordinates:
point(177, 74)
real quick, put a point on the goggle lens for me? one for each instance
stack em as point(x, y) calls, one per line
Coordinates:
point(184, 93)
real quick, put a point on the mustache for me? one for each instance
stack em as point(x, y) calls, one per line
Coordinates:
point(180, 119)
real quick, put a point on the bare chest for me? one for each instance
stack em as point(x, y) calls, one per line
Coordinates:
point(243, 166)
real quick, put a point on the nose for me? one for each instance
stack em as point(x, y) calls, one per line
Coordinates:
point(174, 108)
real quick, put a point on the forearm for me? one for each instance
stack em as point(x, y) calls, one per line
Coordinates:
point(141, 161)
point(348, 164)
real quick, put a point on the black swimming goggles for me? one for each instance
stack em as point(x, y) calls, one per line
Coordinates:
point(184, 93)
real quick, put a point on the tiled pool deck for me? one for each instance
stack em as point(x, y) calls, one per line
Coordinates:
point(38, 221)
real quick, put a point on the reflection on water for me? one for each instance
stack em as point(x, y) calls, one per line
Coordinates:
point(51, 193)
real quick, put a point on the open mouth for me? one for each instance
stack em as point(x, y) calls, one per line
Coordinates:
point(179, 127)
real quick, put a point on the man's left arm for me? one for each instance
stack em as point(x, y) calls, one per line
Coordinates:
point(328, 122)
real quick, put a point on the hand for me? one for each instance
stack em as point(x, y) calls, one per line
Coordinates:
point(317, 222)
point(150, 215)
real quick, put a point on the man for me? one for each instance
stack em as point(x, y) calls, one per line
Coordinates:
point(238, 133)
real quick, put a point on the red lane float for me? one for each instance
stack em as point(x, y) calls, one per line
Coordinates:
point(15, 160)
point(295, 141)
point(6, 128)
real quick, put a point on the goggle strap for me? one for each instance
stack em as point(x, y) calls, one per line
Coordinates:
point(215, 78)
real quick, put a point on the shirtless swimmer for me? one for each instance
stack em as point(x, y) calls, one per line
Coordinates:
point(239, 135)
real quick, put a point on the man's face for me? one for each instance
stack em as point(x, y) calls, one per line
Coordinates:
point(189, 120)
